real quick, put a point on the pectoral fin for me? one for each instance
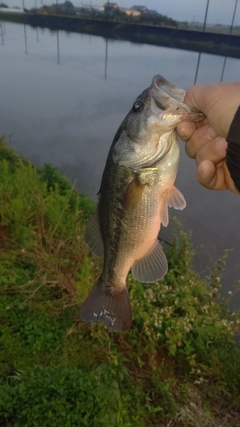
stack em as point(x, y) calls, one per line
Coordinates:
point(93, 235)
point(152, 267)
point(133, 195)
point(174, 199)
point(164, 213)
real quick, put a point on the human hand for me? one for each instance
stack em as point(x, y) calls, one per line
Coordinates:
point(206, 140)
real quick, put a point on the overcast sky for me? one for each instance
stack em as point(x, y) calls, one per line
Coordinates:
point(220, 11)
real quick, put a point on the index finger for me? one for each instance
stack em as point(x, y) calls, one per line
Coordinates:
point(196, 97)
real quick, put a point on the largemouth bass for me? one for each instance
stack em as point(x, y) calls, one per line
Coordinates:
point(136, 190)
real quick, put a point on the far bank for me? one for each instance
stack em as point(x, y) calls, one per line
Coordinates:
point(207, 42)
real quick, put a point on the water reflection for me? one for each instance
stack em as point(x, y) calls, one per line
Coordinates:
point(2, 32)
point(25, 38)
point(58, 48)
point(37, 36)
point(198, 64)
point(223, 68)
point(197, 67)
point(106, 58)
point(106, 54)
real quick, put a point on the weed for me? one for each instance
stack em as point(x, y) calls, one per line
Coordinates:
point(179, 365)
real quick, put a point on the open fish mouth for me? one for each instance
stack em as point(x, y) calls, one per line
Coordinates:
point(163, 110)
point(170, 97)
point(167, 88)
point(167, 104)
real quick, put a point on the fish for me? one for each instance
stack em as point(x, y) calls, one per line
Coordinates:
point(136, 190)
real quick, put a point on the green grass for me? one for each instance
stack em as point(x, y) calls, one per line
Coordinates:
point(16, 17)
point(179, 365)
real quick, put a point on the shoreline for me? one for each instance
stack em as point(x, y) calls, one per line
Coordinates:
point(199, 41)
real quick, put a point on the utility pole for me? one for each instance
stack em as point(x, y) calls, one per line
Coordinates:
point(206, 13)
point(234, 13)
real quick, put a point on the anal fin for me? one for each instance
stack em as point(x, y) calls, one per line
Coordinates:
point(152, 267)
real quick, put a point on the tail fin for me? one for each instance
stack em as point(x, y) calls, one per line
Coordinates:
point(107, 305)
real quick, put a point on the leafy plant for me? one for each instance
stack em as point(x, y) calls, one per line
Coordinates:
point(179, 365)
point(63, 396)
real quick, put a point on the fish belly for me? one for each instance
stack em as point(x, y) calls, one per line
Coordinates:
point(140, 230)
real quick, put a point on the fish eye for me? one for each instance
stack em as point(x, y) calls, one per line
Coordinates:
point(137, 106)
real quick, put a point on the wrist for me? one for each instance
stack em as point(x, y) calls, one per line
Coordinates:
point(233, 149)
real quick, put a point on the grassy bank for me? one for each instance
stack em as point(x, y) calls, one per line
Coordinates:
point(178, 366)
point(12, 17)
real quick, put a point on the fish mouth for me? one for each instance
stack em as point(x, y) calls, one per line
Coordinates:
point(165, 108)
point(167, 88)
point(170, 98)
point(167, 105)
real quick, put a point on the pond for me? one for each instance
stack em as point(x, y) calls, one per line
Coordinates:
point(63, 96)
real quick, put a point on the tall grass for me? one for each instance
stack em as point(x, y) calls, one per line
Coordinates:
point(178, 366)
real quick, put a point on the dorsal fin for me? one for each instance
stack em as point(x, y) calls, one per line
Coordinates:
point(93, 235)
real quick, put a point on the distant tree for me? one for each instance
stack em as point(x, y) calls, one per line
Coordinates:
point(3, 5)
point(68, 5)
point(119, 15)
point(65, 8)
point(157, 19)
point(183, 25)
point(114, 15)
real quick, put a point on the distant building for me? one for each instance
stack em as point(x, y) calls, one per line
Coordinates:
point(110, 7)
point(140, 9)
point(98, 8)
point(84, 9)
point(130, 12)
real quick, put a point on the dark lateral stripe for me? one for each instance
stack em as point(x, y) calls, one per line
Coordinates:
point(233, 150)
